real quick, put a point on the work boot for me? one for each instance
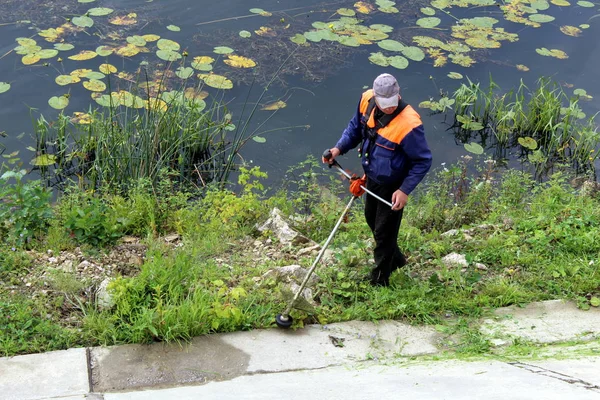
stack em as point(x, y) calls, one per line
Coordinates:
point(399, 262)
point(377, 278)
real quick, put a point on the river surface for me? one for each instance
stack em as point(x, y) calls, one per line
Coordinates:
point(321, 89)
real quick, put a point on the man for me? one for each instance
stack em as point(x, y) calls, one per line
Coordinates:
point(395, 158)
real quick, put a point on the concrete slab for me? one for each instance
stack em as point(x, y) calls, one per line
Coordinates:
point(226, 356)
point(433, 381)
point(45, 375)
point(544, 322)
point(586, 370)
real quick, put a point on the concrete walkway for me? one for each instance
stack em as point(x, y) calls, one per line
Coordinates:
point(353, 360)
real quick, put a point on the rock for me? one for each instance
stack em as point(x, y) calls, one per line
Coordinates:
point(590, 188)
point(53, 260)
point(291, 273)
point(309, 250)
point(481, 267)
point(103, 297)
point(455, 260)
point(129, 239)
point(282, 230)
point(67, 266)
point(171, 238)
point(451, 232)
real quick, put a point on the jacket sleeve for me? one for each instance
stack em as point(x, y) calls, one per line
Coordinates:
point(416, 149)
point(352, 135)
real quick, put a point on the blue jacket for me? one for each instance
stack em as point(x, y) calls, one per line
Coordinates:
point(400, 156)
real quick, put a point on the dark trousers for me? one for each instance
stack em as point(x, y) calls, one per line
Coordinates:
point(384, 224)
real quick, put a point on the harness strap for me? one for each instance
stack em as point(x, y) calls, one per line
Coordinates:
point(380, 122)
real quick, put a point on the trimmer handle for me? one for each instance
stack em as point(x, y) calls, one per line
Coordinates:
point(327, 155)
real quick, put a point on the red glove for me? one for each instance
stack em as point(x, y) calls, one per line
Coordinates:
point(355, 185)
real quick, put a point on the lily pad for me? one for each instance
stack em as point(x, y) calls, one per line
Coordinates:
point(245, 34)
point(522, 67)
point(349, 41)
point(84, 55)
point(168, 45)
point(381, 27)
point(151, 37)
point(239, 62)
point(184, 72)
point(259, 139)
point(47, 53)
point(129, 50)
point(455, 75)
point(560, 3)
point(173, 28)
point(429, 22)
point(100, 11)
point(44, 160)
point(83, 21)
point(168, 55)
point(94, 85)
point(94, 75)
point(587, 4)
point(64, 80)
point(347, 12)
point(379, 59)
point(274, 106)
point(223, 50)
point(428, 11)
point(570, 30)
point(216, 81)
point(298, 39)
point(391, 45)
point(107, 69)
point(30, 59)
point(58, 102)
point(528, 142)
point(64, 46)
point(541, 18)
point(104, 51)
point(413, 53)
point(398, 62)
point(138, 41)
point(474, 148)
point(4, 87)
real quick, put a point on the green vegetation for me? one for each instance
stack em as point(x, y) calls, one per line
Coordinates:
point(536, 240)
point(545, 124)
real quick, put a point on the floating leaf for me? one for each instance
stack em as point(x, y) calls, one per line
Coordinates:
point(239, 62)
point(173, 28)
point(84, 55)
point(584, 26)
point(203, 60)
point(363, 7)
point(588, 4)
point(428, 11)
point(104, 51)
point(27, 50)
point(482, 43)
point(58, 102)
point(44, 160)
point(582, 93)
point(168, 55)
point(94, 85)
point(391, 45)
point(260, 11)
point(298, 39)
point(137, 41)
point(245, 34)
point(30, 59)
point(540, 5)
point(63, 80)
point(398, 62)
point(382, 28)
point(522, 67)
point(107, 69)
point(63, 46)
point(47, 53)
point(129, 50)
point(413, 53)
point(541, 18)
point(265, 31)
point(455, 75)
point(123, 20)
point(150, 38)
point(81, 118)
point(26, 41)
point(274, 106)
point(528, 142)
point(429, 22)
point(156, 104)
point(379, 59)
point(4, 87)
point(561, 3)
point(169, 45)
point(184, 72)
point(223, 50)
point(348, 12)
point(552, 53)
point(80, 73)
point(474, 148)
point(216, 81)
point(83, 21)
point(570, 30)
point(259, 139)
point(100, 11)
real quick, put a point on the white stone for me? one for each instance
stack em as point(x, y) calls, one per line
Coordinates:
point(455, 260)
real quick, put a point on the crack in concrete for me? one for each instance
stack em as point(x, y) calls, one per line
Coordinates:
point(556, 375)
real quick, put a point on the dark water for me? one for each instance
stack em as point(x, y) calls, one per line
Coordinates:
point(325, 101)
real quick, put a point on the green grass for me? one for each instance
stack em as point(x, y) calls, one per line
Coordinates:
point(541, 242)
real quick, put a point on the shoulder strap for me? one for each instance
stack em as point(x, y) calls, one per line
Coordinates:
point(386, 118)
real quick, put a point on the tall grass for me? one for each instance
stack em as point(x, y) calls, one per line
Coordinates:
point(147, 133)
point(561, 132)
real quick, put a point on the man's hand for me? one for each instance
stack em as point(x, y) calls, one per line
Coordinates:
point(399, 199)
point(334, 153)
